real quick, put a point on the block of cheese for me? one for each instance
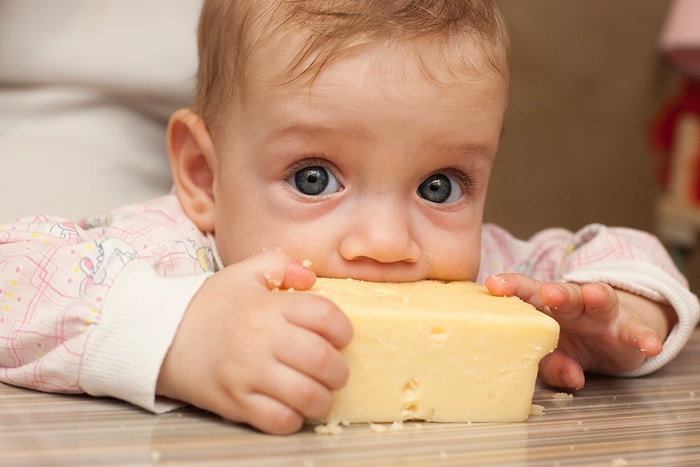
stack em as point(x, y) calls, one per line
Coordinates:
point(437, 351)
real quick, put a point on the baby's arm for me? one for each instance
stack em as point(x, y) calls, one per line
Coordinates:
point(252, 353)
point(603, 330)
point(93, 309)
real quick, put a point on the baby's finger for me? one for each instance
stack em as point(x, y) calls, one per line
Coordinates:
point(321, 316)
point(599, 298)
point(568, 301)
point(511, 284)
point(297, 391)
point(560, 371)
point(639, 337)
point(310, 354)
point(275, 270)
point(649, 344)
point(563, 300)
point(268, 414)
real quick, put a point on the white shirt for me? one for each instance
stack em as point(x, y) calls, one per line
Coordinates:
point(86, 89)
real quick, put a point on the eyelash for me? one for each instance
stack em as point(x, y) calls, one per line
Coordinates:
point(320, 161)
point(464, 180)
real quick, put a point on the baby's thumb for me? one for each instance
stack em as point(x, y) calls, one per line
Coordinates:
point(276, 270)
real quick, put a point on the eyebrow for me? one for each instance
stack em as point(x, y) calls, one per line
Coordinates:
point(310, 130)
point(317, 130)
point(470, 149)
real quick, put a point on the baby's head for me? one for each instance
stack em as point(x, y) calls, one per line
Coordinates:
point(357, 134)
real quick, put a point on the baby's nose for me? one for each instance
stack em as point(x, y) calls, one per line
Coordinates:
point(382, 232)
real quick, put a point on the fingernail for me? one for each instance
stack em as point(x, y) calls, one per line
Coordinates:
point(497, 278)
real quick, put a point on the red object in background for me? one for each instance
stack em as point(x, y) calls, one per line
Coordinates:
point(686, 100)
point(695, 194)
point(679, 46)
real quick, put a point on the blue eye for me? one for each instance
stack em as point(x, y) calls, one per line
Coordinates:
point(314, 181)
point(440, 188)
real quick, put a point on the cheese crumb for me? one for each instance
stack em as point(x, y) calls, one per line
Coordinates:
point(536, 409)
point(396, 426)
point(619, 462)
point(274, 284)
point(306, 263)
point(383, 428)
point(334, 427)
point(562, 396)
point(377, 428)
point(328, 429)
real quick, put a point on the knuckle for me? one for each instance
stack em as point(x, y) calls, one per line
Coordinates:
point(328, 366)
point(343, 376)
point(322, 357)
point(327, 312)
point(335, 319)
point(308, 395)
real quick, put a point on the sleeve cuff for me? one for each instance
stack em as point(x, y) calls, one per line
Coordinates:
point(125, 351)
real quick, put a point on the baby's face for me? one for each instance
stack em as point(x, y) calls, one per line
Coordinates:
point(374, 172)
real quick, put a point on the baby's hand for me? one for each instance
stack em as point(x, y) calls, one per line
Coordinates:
point(255, 355)
point(603, 330)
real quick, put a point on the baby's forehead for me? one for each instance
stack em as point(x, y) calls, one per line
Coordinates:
point(442, 62)
point(375, 84)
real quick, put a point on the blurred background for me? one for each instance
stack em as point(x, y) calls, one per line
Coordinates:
point(587, 82)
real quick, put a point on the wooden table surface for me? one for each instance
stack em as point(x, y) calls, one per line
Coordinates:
point(651, 421)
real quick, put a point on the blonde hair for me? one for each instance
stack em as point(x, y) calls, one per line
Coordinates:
point(232, 31)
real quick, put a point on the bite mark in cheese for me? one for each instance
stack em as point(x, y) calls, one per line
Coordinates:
point(436, 351)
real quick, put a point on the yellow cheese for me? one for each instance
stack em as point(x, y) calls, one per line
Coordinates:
point(435, 351)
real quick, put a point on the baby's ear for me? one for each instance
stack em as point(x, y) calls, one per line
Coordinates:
point(193, 163)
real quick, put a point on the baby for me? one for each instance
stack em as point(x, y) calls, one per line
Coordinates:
point(352, 138)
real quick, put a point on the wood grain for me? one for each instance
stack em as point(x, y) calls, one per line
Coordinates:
point(650, 421)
